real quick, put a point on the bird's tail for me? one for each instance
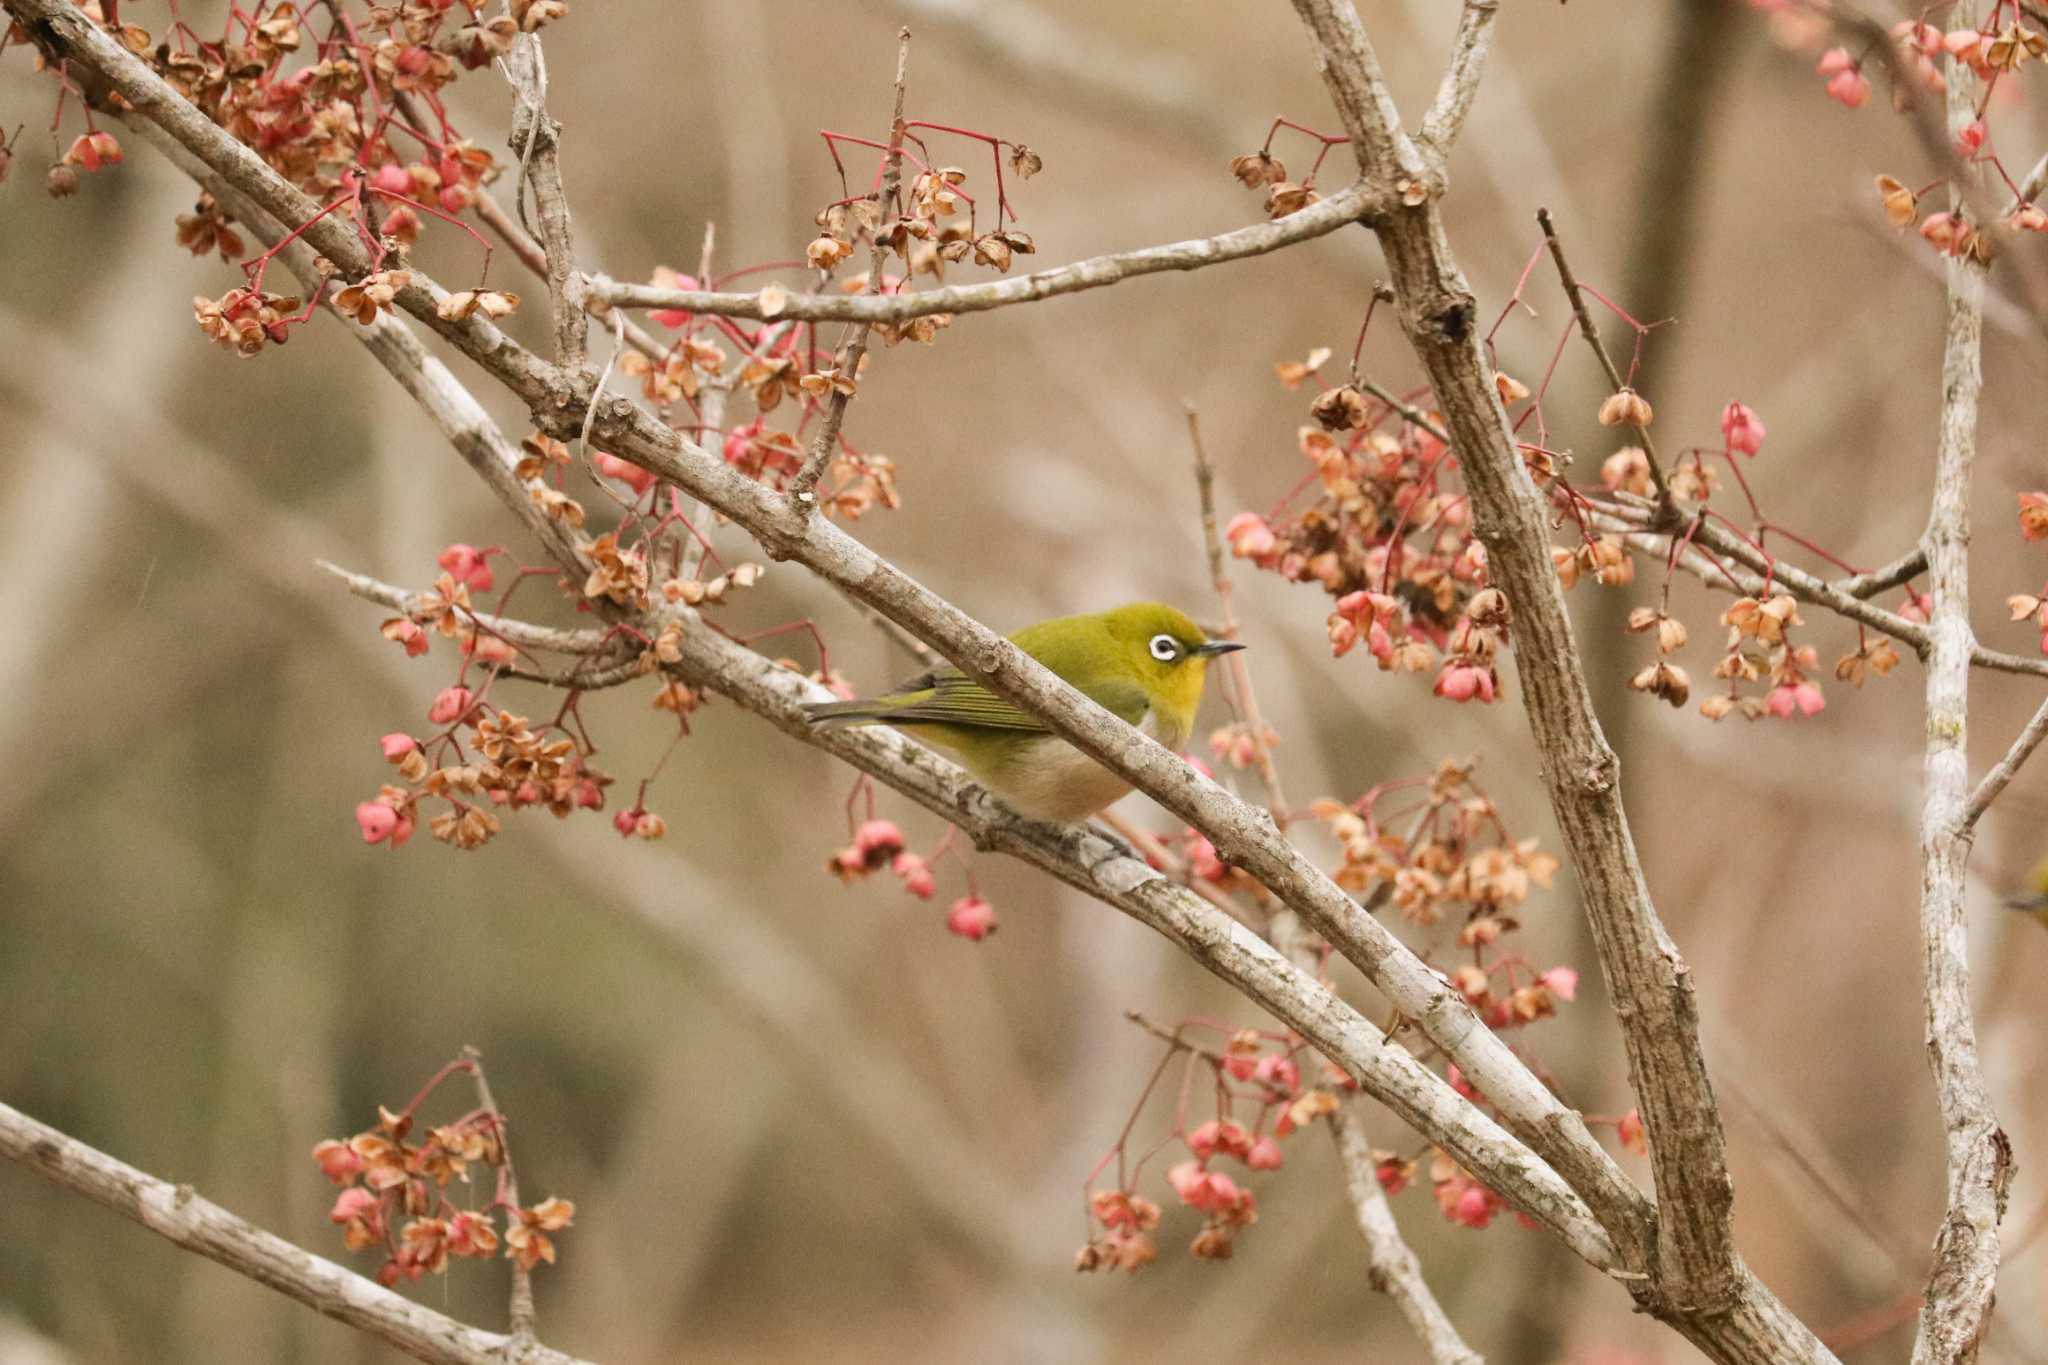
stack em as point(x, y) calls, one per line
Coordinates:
point(834, 715)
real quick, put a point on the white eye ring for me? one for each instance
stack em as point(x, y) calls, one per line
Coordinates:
point(1165, 648)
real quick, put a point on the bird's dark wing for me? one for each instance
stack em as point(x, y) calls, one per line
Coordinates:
point(949, 697)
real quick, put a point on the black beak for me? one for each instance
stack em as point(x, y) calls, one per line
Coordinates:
point(1209, 649)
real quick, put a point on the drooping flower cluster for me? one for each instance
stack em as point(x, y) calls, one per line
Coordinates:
point(1254, 1075)
point(483, 760)
point(1389, 537)
point(1446, 860)
point(395, 1194)
point(1261, 170)
point(1997, 42)
point(1450, 857)
point(346, 102)
point(931, 222)
point(877, 844)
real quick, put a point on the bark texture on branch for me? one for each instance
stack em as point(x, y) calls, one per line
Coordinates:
point(1964, 1279)
point(178, 1215)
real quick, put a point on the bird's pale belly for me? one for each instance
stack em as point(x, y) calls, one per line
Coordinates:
point(1049, 779)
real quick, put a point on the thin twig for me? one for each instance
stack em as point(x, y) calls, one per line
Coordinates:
point(1246, 696)
point(530, 254)
point(926, 656)
point(2005, 769)
point(1412, 415)
point(1591, 333)
point(1341, 209)
point(1904, 569)
point(522, 1278)
point(1633, 516)
point(847, 363)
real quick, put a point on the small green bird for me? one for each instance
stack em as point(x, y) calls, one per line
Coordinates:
point(1145, 663)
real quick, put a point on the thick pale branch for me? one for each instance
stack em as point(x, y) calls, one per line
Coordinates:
point(178, 1215)
point(1346, 206)
point(1964, 1279)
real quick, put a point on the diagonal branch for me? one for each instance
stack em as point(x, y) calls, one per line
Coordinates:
point(2005, 769)
point(1634, 516)
point(180, 1216)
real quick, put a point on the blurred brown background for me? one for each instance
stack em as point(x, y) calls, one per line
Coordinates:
point(801, 1121)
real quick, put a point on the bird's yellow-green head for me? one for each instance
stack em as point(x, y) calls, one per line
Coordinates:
point(1144, 662)
point(1145, 649)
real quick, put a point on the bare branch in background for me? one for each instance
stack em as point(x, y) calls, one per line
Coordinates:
point(1346, 206)
point(178, 1215)
point(1149, 83)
